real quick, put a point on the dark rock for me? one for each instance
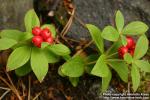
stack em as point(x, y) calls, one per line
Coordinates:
point(101, 13)
point(12, 13)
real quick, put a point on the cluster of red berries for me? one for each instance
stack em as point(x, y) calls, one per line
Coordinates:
point(129, 48)
point(41, 35)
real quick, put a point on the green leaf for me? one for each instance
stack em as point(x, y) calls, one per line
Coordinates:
point(31, 20)
point(135, 28)
point(20, 44)
point(123, 40)
point(96, 36)
point(66, 57)
point(51, 28)
point(90, 62)
point(119, 21)
point(12, 34)
point(44, 45)
point(74, 81)
point(24, 70)
point(141, 47)
point(6, 43)
point(143, 65)
point(51, 57)
point(60, 72)
point(135, 76)
point(27, 36)
point(106, 81)
point(128, 58)
point(18, 58)
point(114, 48)
point(73, 67)
point(100, 69)
point(91, 58)
point(39, 63)
point(121, 68)
point(59, 49)
point(110, 33)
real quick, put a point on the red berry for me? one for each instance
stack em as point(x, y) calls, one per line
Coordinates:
point(133, 47)
point(131, 52)
point(37, 40)
point(36, 31)
point(49, 40)
point(45, 33)
point(122, 50)
point(130, 42)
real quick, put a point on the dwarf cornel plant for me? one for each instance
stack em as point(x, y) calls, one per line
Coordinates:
point(33, 49)
point(124, 55)
point(109, 59)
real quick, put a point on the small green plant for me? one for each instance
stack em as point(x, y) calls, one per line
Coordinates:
point(124, 56)
point(33, 49)
point(128, 59)
point(73, 68)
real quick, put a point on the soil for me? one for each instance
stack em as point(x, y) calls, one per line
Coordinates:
point(98, 12)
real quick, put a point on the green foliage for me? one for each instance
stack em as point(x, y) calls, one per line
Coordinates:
point(18, 58)
point(31, 20)
point(110, 57)
point(143, 65)
point(60, 72)
point(121, 68)
point(128, 58)
point(114, 48)
point(27, 36)
point(74, 81)
point(59, 49)
point(12, 34)
point(39, 63)
point(135, 28)
point(119, 21)
point(141, 47)
point(73, 67)
point(51, 57)
point(89, 66)
point(106, 81)
point(135, 76)
point(26, 57)
point(66, 57)
point(96, 36)
point(23, 70)
point(110, 33)
point(44, 45)
point(24, 51)
point(100, 69)
point(6, 43)
point(123, 40)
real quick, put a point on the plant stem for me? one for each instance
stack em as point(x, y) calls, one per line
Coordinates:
point(15, 90)
point(93, 62)
point(115, 60)
point(29, 94)
point(112, 55)
point(4, 94)
point(108, 51)
point(80, 51)
point(36, 97)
